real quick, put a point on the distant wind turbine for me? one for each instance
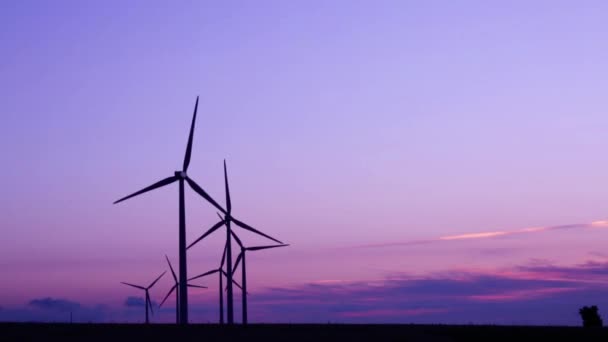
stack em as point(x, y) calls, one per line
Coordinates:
point(227, 220)
point(181, 177)
point(148, 302)
point(241, 258)
point(176, 289)
point(221, 273)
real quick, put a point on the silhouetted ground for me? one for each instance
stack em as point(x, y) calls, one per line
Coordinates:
point(293, 332)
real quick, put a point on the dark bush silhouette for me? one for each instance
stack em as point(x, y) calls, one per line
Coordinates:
point(590, 316)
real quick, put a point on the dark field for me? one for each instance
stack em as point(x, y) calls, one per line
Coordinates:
point(293, 332)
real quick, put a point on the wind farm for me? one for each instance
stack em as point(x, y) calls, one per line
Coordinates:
point(226, 221)
point(227, 270)
point(182, 177)
point(303, 170)
point(181, 285)
point(228, 267)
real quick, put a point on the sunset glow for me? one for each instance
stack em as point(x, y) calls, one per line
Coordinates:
point(426, 161)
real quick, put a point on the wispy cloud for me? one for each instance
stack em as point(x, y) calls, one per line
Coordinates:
point(54, 304)
point(591, 271)
point(50, 309)
point(490, 234)
point(535, 293)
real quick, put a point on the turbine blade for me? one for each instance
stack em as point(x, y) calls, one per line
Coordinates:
point(237, 284)
point(156, 185)
point(211, 230)
point(236, 238)
point(171, 268)
point(204, 274)
point(168, 294)
point(233, 281)
point(228, 203)
point(224, 254)
point(198, 286)
point(257, 248)
point(251, 229)
point(238, 260)
point(189, 147)
point(154, 282)
point(135, 286)
point(204, 194)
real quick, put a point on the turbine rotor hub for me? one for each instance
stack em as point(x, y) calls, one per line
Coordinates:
point(181, 174)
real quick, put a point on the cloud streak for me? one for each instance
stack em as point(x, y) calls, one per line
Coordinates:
point(50, 309)
point(490, 234)
point(533, 293)
point(528, 294)
point(54, 304)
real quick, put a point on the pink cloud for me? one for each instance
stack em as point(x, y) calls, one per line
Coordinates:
point(490, 234)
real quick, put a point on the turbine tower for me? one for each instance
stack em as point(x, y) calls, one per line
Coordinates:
point(176, 289)
point(241, 258)
point(181, 177)
point(148, 302)
point(227, 220)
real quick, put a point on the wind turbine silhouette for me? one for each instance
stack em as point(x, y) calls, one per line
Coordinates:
point(176, 289)
point(148, 302)
point(181, 177)
point(227, 220)
point(241, 257)
point(221, 274)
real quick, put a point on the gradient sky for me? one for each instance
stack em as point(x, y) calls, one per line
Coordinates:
point(404, 149)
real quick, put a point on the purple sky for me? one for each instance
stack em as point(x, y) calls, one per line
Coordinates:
point(372, 136)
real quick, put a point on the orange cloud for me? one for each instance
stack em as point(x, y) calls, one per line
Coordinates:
point(599, 224)
point(473, 236)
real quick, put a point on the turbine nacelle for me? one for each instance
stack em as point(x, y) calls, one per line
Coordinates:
point(181, 174)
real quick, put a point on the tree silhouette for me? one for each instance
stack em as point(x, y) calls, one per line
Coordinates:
point(590, 316)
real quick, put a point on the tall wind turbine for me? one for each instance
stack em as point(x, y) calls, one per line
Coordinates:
point(148, 302)
point(176, 289)
point(181, 177)
point(241, 258)
point(227, 220)
point(221, 273)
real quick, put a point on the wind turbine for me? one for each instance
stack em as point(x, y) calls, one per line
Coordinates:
point(221, 274)
point(176, 289)
point(241, 257)
point(181, 177)
point(148, 302)
point(227, 220)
